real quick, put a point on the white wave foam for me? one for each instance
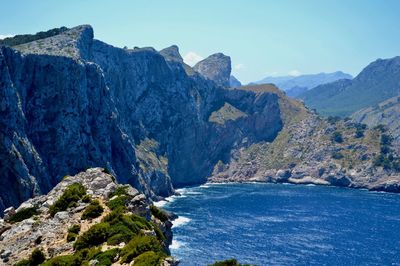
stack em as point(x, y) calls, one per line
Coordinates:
point(160, 203)
point(181, 220)
point(176, 244)
point(204, 186)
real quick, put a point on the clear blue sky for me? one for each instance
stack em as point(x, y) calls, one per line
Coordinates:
point(262, 37)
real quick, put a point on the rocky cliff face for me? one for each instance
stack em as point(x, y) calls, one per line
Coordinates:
point(312, 150)
point(69, 102)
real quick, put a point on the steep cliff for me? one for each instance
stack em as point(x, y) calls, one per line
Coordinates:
point(69, 102)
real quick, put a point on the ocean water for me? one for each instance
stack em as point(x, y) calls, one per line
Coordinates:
point(278, 224)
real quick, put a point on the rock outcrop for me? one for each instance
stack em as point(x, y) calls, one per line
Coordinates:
point(52, 233)
point(216, 67)
point(234, 82)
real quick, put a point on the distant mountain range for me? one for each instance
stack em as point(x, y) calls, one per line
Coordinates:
point(376, 83)
point(296, 85)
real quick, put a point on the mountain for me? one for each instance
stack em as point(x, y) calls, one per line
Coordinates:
point(377, 82)
point(294, 85)
point(216, 67)
point(69, 102)
point(234, 82)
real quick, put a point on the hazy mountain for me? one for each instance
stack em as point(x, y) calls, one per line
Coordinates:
point(298, 84)
point(377, 82)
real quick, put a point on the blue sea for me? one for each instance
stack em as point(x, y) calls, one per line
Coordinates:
point(279, 224)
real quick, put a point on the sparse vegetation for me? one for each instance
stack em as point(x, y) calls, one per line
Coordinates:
point(25, 38)
point(149, 258)
point(94, 210)
point(337, 137)
point(24, 214)
point(36, 258)
point(159, 214)
point(138, 245)
point(73, 232)
point(69, 198)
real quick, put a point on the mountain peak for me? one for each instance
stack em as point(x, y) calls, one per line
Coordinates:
point(172, 53)
point(216, 67)
point(75, 43)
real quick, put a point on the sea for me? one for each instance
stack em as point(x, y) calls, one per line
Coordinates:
point(284, 224)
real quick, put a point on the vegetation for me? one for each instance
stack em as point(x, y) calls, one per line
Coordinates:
point(337, 137)
point(231, 262)
point(69, 198)
point(138, 245)
point(96, 235)
point(149, 258)
point(94, 210)
point(387, 158)
point(23, 214)
point(25, 38)
point(36, 258)
point(159, 214)
point(118, 203)
point(73, 232)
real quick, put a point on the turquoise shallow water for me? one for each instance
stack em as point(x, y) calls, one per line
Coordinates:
point(278, 224)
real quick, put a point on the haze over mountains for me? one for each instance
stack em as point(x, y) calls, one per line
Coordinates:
point(295, 85)
point(377, 82)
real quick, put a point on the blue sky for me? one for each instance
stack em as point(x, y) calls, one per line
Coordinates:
point(262, 37)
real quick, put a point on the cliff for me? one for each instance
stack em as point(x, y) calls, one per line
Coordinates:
point(69, 102)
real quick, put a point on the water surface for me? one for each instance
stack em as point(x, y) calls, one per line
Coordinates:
point(282, 224)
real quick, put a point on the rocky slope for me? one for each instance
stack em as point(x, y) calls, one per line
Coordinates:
point(386, 113)
point(377, 82)
point(69, 102)
point(68, 236)
point(312, 150)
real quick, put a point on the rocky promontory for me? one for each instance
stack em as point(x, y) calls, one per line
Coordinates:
point(87, 218)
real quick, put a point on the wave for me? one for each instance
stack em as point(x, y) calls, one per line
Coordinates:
point(181, 220)
point(176, 244)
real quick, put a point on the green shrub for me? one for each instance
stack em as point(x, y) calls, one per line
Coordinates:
point(118, 202)
point(337, 137)
point(359, 133)
point(107, 258)
point(76, 228)
point(36, 258)
point(139, 245)
point(160, 235)
point(25, 38)
point(149, 258)
point(68, 199)
point(24, 214)
point(73, 232)
point(96, 235)
point(159, 214)
point(94, 210)
point(87, 198)
point(122, 190)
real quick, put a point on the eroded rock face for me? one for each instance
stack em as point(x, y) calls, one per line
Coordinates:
point(69, 102)
point(216, 67)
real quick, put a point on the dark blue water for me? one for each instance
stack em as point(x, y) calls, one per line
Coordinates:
point(269, 224)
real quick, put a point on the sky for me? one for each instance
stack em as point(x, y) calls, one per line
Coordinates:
point(262, 37)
